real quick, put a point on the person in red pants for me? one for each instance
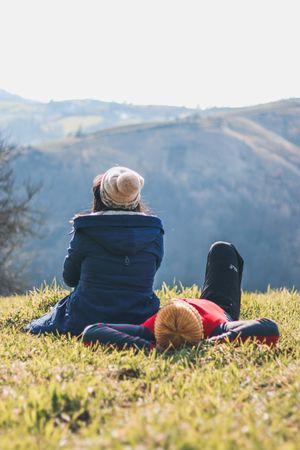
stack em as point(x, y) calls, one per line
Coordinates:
point(214, 317)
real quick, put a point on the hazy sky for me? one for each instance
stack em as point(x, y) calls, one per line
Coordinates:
point(176, 52)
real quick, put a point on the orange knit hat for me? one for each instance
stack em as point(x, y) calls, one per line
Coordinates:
point(178, 323)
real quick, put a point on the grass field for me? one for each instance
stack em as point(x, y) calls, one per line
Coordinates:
point(57, 393)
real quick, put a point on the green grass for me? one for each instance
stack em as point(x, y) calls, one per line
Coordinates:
point(58, 394)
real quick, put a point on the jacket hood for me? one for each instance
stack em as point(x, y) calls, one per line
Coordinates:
point(122, 234)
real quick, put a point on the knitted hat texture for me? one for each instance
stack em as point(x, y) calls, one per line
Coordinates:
point(121, 188)
point(178, 323)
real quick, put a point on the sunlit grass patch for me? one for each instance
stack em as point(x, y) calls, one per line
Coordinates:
point(57, 393)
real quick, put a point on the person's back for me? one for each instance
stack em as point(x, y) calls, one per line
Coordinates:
point(118, 255)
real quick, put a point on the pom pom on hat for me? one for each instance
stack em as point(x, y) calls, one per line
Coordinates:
point(178, 323)
point(121, 188)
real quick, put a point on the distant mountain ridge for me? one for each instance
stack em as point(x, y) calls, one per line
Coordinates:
point(7, 96)
point(30, 122)
point(229, 175)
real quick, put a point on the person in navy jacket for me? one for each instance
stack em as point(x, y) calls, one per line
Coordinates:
point(112, 260)
point(214, 317)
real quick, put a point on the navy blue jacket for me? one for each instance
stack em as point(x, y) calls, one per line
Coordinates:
point(111, 262)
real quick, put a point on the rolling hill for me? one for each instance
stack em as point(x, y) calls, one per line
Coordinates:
point(226, 175)
point(29, 122)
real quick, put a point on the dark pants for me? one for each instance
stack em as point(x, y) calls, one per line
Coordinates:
point(223, 276)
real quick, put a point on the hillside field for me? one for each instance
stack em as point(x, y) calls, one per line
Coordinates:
point(59, 394)
point(229, 175)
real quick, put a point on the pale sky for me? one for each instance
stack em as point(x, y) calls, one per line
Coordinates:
point(175, 52)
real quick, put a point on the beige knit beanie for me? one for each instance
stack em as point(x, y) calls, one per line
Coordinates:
point(178, 323)
point(121, 188)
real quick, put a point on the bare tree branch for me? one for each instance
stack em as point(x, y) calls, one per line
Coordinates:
point(17, 218)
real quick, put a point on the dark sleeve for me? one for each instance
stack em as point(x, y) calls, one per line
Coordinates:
point(72, 263)
point(121, 335)
point(261, 330)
